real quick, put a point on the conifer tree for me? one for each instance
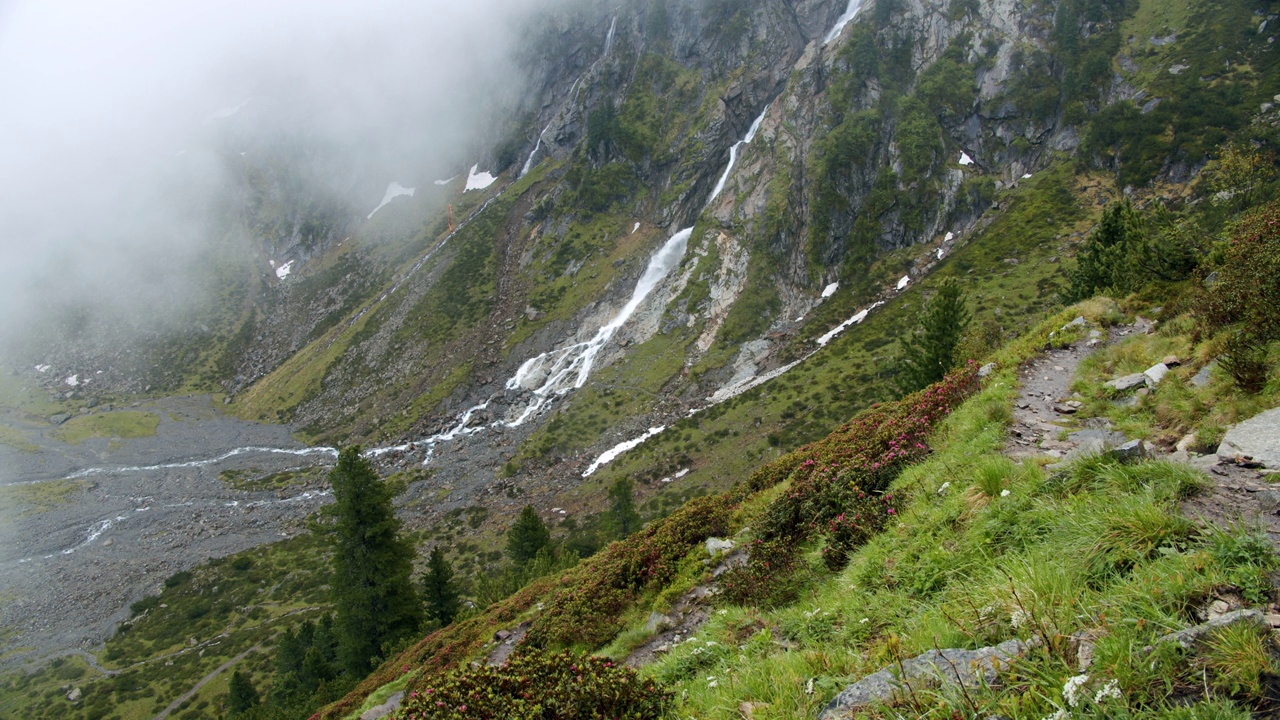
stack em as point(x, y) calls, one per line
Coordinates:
point(622, 518)
point(527, 537)
point(244, 696)
point(374, 598)
point(930, 352)
point(438, 590)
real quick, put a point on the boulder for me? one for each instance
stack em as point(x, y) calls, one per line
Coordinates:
point(74, 695)
point(1257, 438)
point(986, 370)
point(1078, 322)
point(950, 667)
point(59, 418)
point(715, 546)
point(1190, 638)
point(1156, 373)
point(1132, 451)
point(1128, 382)
point(1172, 360)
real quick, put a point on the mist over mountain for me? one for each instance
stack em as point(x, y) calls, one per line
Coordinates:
point(129, 128)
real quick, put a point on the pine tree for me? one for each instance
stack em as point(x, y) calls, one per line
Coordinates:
point(244, 696)
point(527, 537)
point(930, 352)
point(438, 590)
point(1106, 261)
point(622, 518)
point(374, 598)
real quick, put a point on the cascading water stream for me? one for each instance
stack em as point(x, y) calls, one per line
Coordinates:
point(849, 14)
point(733, 154)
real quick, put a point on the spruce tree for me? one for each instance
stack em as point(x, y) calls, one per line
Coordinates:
point(930, 352)
point(438, 590)
point(527, 537)
point(374, 598)
point(1107, 259)
point(622, 518)
point(244, 696)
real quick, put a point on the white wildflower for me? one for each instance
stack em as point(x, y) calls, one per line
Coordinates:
point(1110, 690)
point(1071, 689)
point(864, 621)
point(697, 651)
point(711, 681)
point(722, 612)
point(942, 490)
point(808, 688)
point(1062, 714)
point(1018, 618)
point(710, 643)
point(1005, 493)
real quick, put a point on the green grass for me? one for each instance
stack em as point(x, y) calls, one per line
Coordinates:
point(254, 480)
point(118, 425)
point(40, 497)
point(1102, 549)
point(15, 438)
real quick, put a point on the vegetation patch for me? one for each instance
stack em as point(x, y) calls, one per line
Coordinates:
point(40, 497)
point(121, 424)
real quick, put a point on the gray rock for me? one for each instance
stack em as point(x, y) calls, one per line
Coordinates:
point(74, 695)
point(968, 668)
point(1202, 378)
point(1269, 500)
point(1078, 322)
point(1132, 451)
point(391, 705)
point(1190, 638)
point(1156, 373)
point(715, 546)
point(986, 370)
point(1258, 438)
point(59, 418)
point(657, 621)
point(1128, 382)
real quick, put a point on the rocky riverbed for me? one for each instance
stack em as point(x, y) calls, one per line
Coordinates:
point(87, 529)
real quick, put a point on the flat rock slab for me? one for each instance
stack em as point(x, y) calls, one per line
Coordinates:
point(1257, 437)
point(968, 668)
point(391, 705)
point(1128, 382)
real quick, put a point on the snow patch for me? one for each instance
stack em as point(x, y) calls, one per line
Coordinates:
point(73, 380)
point(477, 180)
point(941, 252)
point(950, 236)
point(609, 455)
point(226, 112)
point(965, 159)
point(902, 284)
point(283, 271)
point(43, 368)
point(394, 190)
point(1026, 176)
point(634, 229)
point(442, 183)
point(831, 334)
point(830, 290)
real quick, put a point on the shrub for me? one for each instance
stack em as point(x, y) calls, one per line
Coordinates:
point(1247, 292)
point(586, 606)
point(540, 685)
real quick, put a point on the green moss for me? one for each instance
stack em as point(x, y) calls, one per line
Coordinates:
point(121, 424)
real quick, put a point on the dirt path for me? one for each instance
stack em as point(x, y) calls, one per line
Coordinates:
point(204, 681)
point(1043, 413)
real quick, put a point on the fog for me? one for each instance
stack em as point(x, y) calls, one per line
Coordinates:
point(123, 121)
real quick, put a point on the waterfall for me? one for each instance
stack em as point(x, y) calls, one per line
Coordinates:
point(733, 153)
